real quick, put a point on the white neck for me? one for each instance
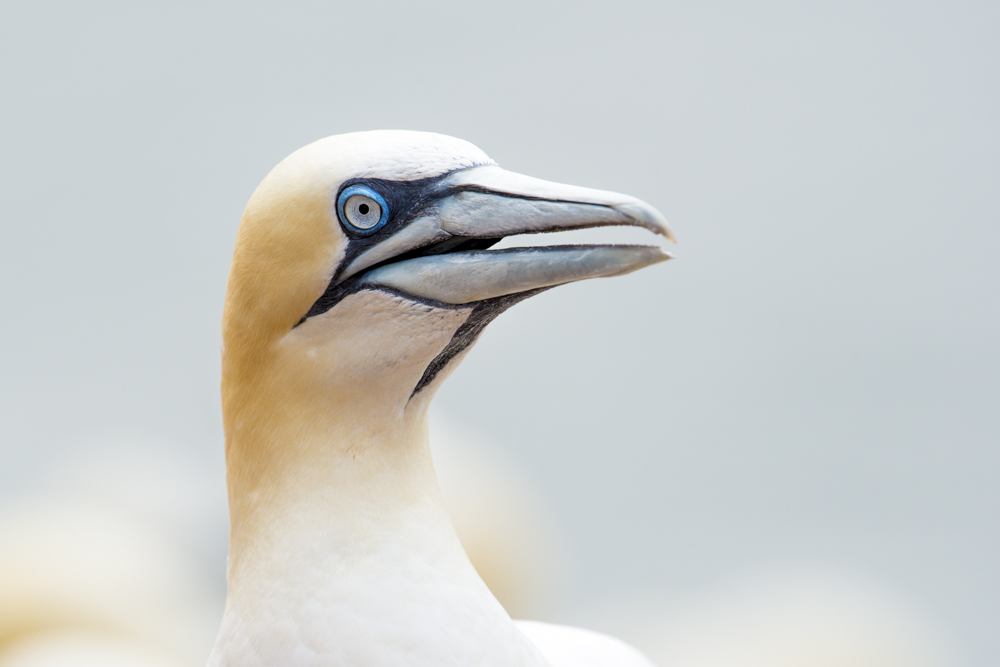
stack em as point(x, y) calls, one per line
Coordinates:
point(342, 554)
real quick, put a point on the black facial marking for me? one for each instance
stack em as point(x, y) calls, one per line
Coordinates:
point(336, 291)
point(407, 200)
point(485, 312)
point(335, 295)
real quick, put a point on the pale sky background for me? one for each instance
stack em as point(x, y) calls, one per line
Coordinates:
point(815, 379)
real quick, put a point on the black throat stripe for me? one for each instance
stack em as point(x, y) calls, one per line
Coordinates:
point(485, 312)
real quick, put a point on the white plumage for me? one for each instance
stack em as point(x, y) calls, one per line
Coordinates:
point(341, 551)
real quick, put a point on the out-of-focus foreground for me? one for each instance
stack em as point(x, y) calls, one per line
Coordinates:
point(782, 443)
point(100, 574)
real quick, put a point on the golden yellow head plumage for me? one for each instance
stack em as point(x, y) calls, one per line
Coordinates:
point(362, 273)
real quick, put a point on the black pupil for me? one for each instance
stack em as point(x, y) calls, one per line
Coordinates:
point(363, 209)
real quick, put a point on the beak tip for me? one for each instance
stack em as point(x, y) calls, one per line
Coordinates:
point(648, 217)
point(662, 256)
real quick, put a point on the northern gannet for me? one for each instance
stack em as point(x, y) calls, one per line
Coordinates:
point(360, 278)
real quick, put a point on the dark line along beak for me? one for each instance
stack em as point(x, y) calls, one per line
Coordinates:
point(490, 203)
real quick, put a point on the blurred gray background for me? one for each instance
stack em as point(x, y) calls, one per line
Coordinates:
point(814, 380)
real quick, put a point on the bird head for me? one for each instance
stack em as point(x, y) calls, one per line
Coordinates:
point(362, 271)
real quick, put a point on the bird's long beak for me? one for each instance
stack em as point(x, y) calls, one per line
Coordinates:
point(441, 255)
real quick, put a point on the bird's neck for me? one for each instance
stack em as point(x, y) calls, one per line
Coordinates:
point(341, 548)
point(325, 493)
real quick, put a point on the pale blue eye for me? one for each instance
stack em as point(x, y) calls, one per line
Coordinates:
point(362, 209)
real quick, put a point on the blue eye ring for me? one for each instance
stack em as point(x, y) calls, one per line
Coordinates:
point(365, 191)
